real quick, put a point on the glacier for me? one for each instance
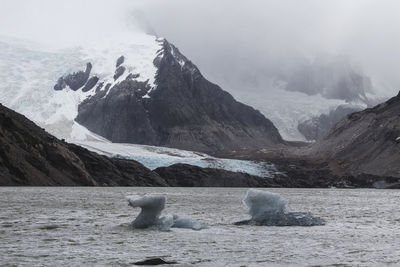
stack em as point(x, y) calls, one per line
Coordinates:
point(271, 209)
point(153, 157)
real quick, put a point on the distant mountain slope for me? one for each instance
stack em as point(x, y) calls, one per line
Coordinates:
point(298, 88)
point(30, 156)
point(317, 127)
point(366, 141)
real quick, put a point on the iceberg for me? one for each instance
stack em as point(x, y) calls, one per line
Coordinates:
point(271, 209)
point(186, 222)
point(151, 209)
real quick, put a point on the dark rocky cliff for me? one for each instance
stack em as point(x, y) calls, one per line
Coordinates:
point(31, 156)
point(184, 111)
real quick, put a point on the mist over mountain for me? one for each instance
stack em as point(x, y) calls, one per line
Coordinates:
point(337, 52)
point(254, 37)
point(244, 37)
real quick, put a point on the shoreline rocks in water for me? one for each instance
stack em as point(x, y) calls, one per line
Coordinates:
point(154, 261)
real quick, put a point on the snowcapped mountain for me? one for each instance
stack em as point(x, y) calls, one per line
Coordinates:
point(127, 88)
point(46, 85)
point(77, 93)
point(29, 72)
point(180, 109)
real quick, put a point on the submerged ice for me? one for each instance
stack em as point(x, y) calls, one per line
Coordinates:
point(151, 209)
point(271, 209)
point(187, 222)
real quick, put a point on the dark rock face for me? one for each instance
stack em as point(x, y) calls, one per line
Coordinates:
point(366, 141)
point(193, 176)
point(184, 111)
point(120, 60)
point(75, 80)
point(118, 72)
point(119, 117)
point(318, 127)
point(30, 156)
point(90, 84)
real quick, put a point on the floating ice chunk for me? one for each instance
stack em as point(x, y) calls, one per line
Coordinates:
point(165, 223)
point(260, 202)
point(271, 209)
point(189, 223)
point(149, 217)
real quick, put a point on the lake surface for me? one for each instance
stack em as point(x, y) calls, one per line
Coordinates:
point(62, 226)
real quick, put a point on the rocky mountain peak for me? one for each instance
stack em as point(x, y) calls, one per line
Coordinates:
point(180, 109)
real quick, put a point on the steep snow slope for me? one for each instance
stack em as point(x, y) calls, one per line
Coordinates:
point(301, 88)
point(28, 72)
point(153, 157)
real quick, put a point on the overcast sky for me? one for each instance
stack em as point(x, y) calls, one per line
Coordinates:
point(221, 35)
point(253, 33)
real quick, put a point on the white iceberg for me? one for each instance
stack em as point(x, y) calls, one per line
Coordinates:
point(149, 217)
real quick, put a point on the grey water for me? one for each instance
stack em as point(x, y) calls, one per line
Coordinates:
point(61, 226)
